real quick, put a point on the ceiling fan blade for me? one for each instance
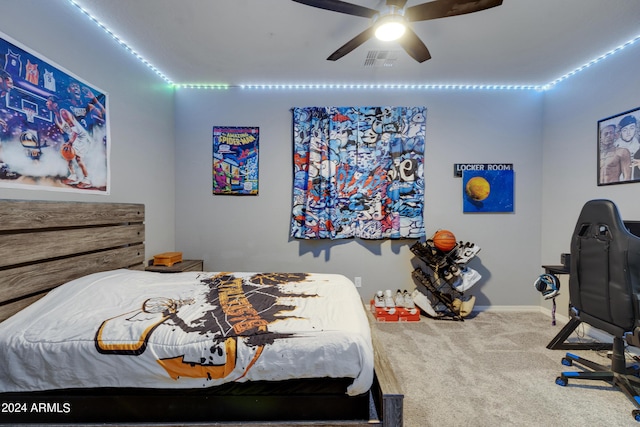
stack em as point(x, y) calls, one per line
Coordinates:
point(340, 6)
point(352, 44)
point(442, 8)
point(412, 44)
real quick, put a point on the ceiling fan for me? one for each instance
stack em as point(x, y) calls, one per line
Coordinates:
point(397, 15)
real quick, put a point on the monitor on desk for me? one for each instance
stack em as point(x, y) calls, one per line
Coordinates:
point(633, 227)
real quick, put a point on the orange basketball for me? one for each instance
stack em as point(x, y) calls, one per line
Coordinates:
point(68, 152)
point(444, 240)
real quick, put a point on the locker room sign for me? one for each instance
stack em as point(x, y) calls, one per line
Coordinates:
point(458, 168)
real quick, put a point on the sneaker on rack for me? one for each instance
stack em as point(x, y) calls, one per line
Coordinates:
point(454, 269)
point(469, 278)
point(467, 306)
point(423, 302)
point(457, 302)
point(466, 253)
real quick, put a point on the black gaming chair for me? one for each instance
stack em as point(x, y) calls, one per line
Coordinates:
point(604, 291)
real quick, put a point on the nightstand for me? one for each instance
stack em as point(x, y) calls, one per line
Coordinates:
point(178, 267)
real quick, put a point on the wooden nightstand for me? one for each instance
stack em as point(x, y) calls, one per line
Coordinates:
point(178, 267)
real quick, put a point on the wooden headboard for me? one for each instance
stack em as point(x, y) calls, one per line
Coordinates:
point(44, 244)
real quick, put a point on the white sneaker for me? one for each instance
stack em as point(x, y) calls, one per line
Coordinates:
point(466, 252)
point(422, 301)
point(408, 301)
point(469, 278)
point(378, 299)
point(388, 299)
point(399, 300)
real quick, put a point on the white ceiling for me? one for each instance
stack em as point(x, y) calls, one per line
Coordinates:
point(236, 42)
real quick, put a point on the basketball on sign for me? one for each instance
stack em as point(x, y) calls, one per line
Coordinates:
point(444, 240)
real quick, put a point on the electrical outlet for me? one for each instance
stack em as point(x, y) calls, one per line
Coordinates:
point(358, 282)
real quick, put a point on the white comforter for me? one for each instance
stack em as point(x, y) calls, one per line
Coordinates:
point(127, 328)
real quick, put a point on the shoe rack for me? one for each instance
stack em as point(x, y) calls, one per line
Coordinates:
point(438, 278)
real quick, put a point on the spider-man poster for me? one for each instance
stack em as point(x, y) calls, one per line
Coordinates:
point(235, 160)
point(53, 126)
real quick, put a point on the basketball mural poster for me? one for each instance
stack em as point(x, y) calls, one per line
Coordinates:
point(235, 160)
point(53, 126)
point(487, 191)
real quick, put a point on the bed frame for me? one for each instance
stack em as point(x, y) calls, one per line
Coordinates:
point(44, 244)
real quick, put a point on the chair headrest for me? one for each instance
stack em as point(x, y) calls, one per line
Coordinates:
point(601, 212)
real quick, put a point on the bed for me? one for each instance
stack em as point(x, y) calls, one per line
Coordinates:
point(143, 347)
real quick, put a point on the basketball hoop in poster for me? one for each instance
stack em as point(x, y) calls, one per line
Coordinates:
point(46, 115)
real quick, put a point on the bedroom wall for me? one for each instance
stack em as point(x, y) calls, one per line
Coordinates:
point(251, 233)
point(140, 109)
point(571, 112)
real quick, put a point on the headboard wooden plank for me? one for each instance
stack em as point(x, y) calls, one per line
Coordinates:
point(34, 278)
point(34, 214)
point(30, 247)
point(44, 244)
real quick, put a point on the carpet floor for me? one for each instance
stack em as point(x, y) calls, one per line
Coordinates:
point(494, 369)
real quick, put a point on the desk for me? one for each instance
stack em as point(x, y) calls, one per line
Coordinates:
point(555, 269)
point(558, 342)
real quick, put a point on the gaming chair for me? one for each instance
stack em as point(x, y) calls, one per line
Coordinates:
point(604, 291)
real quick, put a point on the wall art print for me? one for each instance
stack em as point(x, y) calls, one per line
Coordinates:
point(358, 172)
point(54, 132)
point(487, 191)
point(619, 148)
point(235, 160)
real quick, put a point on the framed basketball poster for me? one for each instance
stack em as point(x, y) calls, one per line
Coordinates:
point(235, 160)
point(54, 130)
point(487, 191)
point(619, 148)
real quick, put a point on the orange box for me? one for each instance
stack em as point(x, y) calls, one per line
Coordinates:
point(167, 258)
point(404, 315)
point(383, 315)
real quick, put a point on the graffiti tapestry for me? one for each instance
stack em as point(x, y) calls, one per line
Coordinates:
point(235, 160)
point(53, 126)
point(358, 172)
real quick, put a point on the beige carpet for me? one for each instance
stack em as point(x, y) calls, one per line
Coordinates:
point(494, 369)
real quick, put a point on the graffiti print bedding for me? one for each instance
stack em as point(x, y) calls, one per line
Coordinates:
point(127, 328)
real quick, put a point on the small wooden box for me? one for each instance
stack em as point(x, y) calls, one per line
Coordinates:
point(167, 258)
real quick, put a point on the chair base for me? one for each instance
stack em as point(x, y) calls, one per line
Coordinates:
point(626, 378)
point(559, 341)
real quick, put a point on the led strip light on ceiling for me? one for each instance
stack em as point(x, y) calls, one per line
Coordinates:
point(545, 87)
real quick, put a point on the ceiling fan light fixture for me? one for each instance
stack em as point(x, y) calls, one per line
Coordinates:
point(390, 24)
point(390, 30)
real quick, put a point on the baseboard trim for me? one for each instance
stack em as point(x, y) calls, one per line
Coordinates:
point(562, 320)
point(507, 308)
point(589, 330)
